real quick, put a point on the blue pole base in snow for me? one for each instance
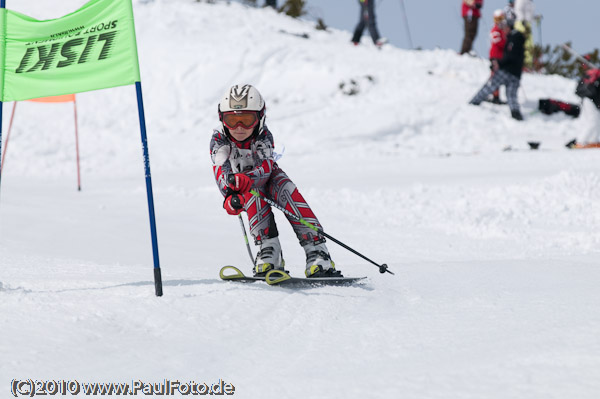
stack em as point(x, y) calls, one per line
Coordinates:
point(157, 275)
point(157, 282)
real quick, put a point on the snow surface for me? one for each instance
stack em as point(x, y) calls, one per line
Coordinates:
point(495, 252)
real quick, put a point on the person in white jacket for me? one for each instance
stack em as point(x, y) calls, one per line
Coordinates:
point(525, 11)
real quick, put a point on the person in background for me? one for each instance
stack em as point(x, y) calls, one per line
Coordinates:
point(507, 73)
point(509, 12)
point(589, 87)
point(367, 18)
point(471, 12)
point(498, 41)
point(525, 11)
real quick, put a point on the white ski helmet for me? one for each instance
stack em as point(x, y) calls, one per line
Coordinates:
point(243, 98)
point(499, 16)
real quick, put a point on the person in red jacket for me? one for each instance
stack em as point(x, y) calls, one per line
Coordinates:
point(471, 12)
point(498, 41)
point(589, 87)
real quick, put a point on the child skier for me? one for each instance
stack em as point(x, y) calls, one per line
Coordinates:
point(498, 41)
point(243, 148)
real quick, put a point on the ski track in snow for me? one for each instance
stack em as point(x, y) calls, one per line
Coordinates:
point(495, 252)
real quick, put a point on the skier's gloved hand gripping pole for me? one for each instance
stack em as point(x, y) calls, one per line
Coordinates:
point(382, 268)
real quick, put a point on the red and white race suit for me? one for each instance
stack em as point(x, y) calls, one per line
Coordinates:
point(254, 158)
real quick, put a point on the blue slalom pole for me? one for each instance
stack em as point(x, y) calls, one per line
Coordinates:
point(157, 275)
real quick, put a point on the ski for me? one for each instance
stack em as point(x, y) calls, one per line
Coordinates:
point(280, 277)
point(301, 35)
point(533, 146)
point(573, 145)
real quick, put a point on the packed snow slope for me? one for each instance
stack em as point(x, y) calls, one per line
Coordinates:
point(495, 252)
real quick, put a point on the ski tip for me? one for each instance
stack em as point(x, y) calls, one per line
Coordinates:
point(225, 273)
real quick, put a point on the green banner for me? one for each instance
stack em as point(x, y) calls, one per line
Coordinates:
point(92, 48)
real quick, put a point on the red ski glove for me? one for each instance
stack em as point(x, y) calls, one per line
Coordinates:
point(234, 204)
point(240, 183)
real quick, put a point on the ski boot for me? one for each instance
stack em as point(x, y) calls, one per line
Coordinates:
point(269, 257)
point(318, 261)
point(516, 114)
point(380, 42)
point(571, 144)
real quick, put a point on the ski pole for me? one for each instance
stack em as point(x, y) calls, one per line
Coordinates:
point(246, 239)
point(538, 21)
point(236, 203)
point(580, 58)
point(382, 268)
point(406, 24)
point(539, 26)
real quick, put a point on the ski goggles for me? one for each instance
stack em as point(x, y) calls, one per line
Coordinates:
point(246, 119)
